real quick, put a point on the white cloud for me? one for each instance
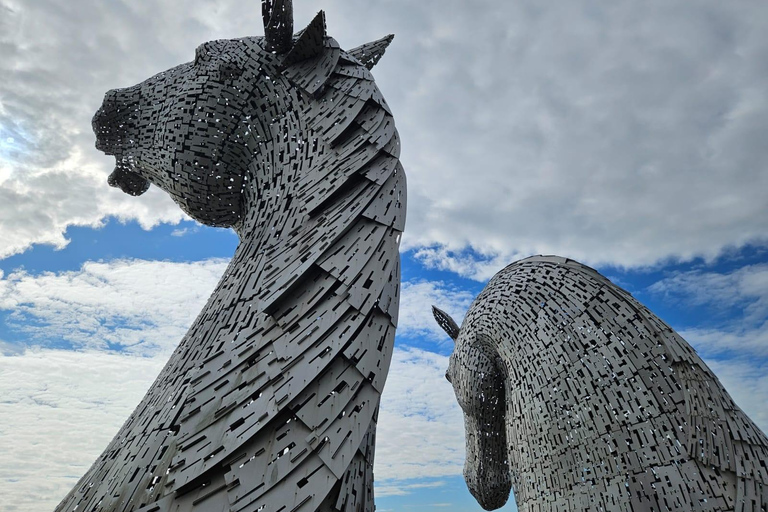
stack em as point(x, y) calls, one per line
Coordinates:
point(146, 306)
point(421, 428)
point(10, 349)
point(727, 342)
point(51, 76)
point(143, 307)
point(611, 133)
point(747, 382)
point(59, 409)
point(59, 58)
point(402, 490)
point(734, 341)
point(478, 266)
point(623, 132)
point(184, 231)
point(38, 205)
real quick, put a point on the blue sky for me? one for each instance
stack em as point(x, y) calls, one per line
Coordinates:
point(628, 136)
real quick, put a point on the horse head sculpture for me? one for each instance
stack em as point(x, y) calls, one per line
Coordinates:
point(270, 401)
point(577, 397)
point(476, 374)
point(212, 132)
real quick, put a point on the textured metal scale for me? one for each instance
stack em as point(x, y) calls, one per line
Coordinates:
point(270, 401)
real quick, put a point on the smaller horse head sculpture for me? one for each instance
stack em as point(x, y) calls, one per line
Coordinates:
point(577, 397)
point(477, 376)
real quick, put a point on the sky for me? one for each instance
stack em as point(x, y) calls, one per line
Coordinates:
point(627, 135)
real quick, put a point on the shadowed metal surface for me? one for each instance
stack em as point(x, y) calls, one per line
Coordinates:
point(577, 397)
point(270, 401)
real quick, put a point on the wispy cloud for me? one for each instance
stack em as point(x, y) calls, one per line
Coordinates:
point(737, 303)
point(51, 396)
point(383, 490)
point(142, 307)
point(746, 380)
point(184, 231)
point(734, 341)
point(471, 264)
point(145, 306)
point(729, 341)
point(746, 287)
point(421, 427)
point(59, 409)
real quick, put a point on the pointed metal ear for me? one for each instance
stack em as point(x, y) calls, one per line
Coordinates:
point(310, 43)
point(370, 53)
point(445, 321)
point(278, 24)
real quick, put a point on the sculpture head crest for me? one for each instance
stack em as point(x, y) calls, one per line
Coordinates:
point(278, 33)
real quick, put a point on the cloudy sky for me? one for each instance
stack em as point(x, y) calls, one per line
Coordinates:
point(627, 135)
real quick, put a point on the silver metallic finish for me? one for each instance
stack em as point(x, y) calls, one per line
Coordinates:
point(270, 401)
point(578, 398)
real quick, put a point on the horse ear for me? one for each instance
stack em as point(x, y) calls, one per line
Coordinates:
point(310, 43)
point(278, 24)
point(445, 321)
point(370, 53)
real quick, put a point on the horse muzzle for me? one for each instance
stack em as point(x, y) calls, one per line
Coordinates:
point(115, 126)
point(491, 489)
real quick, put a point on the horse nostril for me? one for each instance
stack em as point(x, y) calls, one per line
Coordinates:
point(128, 181)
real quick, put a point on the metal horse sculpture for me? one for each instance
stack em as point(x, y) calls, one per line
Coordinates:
point(270, 401)
point(580, 399)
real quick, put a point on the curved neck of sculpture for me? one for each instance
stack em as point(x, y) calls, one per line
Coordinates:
point(271, 174)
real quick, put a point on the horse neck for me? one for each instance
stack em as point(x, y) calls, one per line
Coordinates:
point(304, 192)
